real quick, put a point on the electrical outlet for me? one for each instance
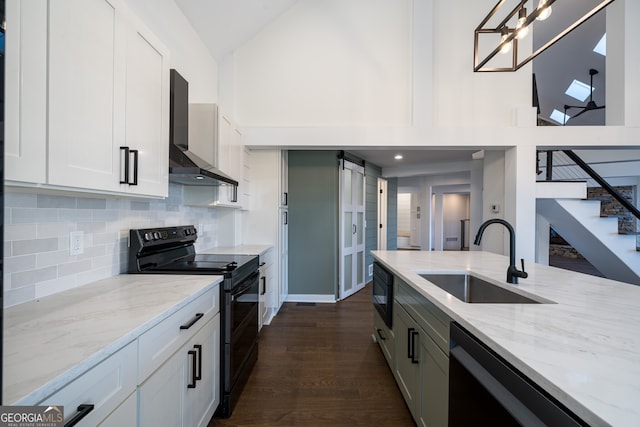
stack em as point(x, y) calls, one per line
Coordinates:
point(76, 242)
point(370, 269)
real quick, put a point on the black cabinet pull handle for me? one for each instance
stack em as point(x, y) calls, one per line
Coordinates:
point(286, 218)
point(286, 198)
point(83, 411)
point(192, 384)
point(234, 193)
point(193, 321)
point(125, 179)
point(380, 335)
point(264, 285)
point(199, 348)
point(135, 167)
point(413, 347)
point(409, 342)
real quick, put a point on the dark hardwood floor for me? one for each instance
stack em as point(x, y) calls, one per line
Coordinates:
point(318, 366)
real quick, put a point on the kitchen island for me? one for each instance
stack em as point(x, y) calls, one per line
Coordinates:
point(583, 348)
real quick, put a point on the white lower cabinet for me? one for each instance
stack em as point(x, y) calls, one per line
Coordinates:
point(185, 390)
point(124, 415)
point(107, 387)
point(268, 295)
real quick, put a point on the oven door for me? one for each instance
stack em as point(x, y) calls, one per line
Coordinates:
point(243, 310)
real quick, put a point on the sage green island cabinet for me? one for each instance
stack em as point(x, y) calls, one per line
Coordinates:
point(420, 357)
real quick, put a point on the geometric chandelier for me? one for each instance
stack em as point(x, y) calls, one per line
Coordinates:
point(509, 35)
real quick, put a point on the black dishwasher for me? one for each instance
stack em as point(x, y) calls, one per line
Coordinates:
point(485, 389)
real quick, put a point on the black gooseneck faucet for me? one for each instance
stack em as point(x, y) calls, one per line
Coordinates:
point(512, 272)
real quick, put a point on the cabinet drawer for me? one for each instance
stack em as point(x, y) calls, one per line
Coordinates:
point(161, 341)
point(434, 321)
point(105, 386)
point(385, 337)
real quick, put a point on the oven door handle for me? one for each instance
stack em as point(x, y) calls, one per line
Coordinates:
point(245, 285)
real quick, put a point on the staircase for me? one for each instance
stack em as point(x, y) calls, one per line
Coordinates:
point(578, 221)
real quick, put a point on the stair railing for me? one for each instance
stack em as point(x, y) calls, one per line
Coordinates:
point(572, 172)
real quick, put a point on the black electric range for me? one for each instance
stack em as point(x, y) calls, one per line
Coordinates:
point(171, 250)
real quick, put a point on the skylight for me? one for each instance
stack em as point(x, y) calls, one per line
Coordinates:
point(601, 47)
point(579, 90)
point(559, 117)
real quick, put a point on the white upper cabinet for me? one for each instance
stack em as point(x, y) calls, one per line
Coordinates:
point(147, 110)
point(214, 136)
point(84, 84)
point(105, 87)
point(26, 91)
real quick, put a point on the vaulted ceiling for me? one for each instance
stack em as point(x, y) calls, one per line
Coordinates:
point(226, 25)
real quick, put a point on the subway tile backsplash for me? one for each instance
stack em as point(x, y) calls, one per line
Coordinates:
point(37, 262)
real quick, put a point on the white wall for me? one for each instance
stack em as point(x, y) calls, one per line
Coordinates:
point(328, 62)
point(493, 193)
point(352, 63)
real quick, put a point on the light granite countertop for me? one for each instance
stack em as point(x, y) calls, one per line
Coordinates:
point(53, 340)
point(239, 250)
point(584, 349)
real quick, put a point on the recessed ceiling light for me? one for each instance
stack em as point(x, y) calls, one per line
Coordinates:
point(398, 157)
point(199, 177)
point(601, 47)
point(559, 116)
point(579, 90)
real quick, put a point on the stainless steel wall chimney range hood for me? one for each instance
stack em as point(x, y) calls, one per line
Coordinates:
point(185, 167)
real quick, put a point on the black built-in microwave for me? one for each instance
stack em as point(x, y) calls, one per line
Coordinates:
point(383, 293)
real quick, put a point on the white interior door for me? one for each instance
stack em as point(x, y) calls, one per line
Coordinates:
point(351, 229)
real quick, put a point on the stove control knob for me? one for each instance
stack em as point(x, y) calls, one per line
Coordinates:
point(156, 235)
point(147, 236)
point(187, 231)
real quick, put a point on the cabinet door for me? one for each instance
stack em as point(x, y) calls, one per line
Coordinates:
point(385, 337)
point(203, 399)
point(434, 381)
point(26, 92)
point(161, 397)
point(85, 96)
point(284, 178)
point(283, 245)
point(105, 386)
point(147, 110)
point(406, 338)
point(124, 416)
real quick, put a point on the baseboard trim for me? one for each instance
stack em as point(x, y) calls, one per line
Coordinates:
point(311, 298)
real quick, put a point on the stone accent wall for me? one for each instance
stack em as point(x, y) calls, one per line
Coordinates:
point(611, 207)
point(566, 251)
point(608, 207)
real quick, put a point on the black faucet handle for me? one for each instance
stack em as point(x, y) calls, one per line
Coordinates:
point(523, 273)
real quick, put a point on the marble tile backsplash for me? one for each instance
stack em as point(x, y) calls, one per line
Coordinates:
point(37, 227)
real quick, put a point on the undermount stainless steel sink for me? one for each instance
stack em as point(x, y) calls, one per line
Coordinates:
point(472, 289)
